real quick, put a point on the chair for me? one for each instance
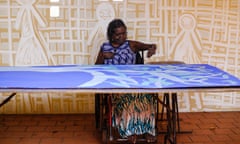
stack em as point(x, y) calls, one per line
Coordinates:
point(140, 57)
point(101, 108)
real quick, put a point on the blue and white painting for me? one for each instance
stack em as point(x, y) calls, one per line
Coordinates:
point(178, 76)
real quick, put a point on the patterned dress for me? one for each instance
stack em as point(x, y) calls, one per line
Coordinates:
point(132, 114)
point(123, 54)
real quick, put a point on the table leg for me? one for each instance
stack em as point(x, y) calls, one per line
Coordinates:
point(170, 136)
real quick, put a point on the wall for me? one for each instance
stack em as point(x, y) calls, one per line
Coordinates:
point(193, 31)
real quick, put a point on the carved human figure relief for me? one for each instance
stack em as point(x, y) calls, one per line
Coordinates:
point(105, 13)
point(30, 49)
point(187, 48)
point(187, 45)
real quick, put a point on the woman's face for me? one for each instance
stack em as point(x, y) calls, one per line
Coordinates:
point(119, 36)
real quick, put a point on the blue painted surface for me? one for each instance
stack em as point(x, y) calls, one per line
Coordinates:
point(116, 76)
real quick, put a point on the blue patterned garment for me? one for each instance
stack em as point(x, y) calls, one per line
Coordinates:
point(123, 54)
point(132, 114)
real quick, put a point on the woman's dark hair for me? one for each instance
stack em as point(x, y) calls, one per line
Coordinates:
point(116, 23)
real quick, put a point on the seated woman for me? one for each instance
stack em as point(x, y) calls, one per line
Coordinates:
point(131, 114)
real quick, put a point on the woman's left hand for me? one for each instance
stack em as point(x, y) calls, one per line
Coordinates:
point(151, 50)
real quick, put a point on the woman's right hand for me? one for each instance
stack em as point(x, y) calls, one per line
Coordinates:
point(108, 55)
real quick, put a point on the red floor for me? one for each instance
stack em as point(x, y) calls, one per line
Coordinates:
point(207, 128)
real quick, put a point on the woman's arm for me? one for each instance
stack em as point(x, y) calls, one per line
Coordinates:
point(103, 55)
point(100, 58)
point(139, 46)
